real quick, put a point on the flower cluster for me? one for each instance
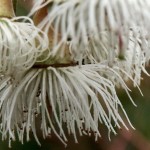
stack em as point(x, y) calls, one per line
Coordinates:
point(65, 70)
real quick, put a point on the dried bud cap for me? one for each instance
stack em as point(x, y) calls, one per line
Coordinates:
point(6, 8)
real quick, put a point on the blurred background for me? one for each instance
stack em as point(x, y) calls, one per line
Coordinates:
point(138, 139)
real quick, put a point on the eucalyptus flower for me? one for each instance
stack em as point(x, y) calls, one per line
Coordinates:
point(84, 22)
point(21, 43)
point(70, 65)
point(69, 95)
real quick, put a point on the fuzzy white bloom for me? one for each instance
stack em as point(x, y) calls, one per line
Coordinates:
point(83, 21)
point(21, 43)
point(107, 38)
point(80, 97)
point(68, 95)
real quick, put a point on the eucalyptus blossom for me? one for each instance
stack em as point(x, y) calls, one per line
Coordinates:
point(83, 23)
point(21, 43)
point(63, 67)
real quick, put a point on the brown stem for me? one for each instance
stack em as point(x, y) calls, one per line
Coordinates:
point(54, 65)
point(6, 8)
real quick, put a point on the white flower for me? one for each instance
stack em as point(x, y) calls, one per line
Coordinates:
point(21, 43)
point(79, 97)
point(94, 46)
point(83, 21)
point(83, 95)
